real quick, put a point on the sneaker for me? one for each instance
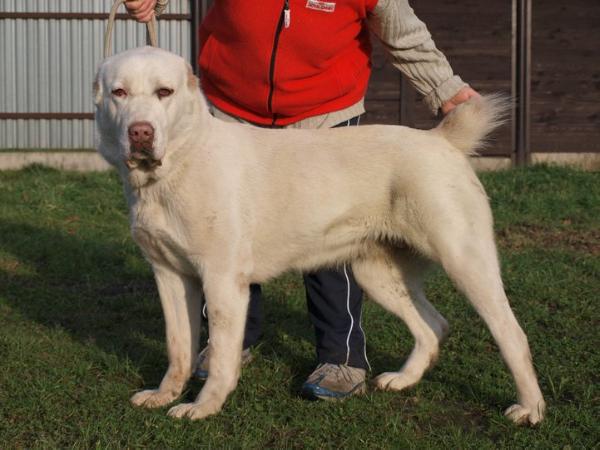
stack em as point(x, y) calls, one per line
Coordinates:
point(334, 382)
point(201, 372)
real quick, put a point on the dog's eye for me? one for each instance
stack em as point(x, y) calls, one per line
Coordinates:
point(119, 93)
point(164, 92)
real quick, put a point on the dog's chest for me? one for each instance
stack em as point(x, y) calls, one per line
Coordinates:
point(162, 239)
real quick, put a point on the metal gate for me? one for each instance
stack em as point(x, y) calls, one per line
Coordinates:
point(49, 52)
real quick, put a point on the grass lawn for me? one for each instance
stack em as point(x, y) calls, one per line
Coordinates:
point(81, 330)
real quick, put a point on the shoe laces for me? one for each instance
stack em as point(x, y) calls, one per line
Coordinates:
point(339, 370)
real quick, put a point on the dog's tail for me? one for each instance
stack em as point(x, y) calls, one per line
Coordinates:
point(468, 125)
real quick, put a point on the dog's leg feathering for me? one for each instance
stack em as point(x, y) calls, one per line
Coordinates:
point(227, 305)
point(181, 299)
point(393, 279)
point(488, 297)
point(468, 255)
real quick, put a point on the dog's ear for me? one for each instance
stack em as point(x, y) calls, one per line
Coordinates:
point(192, 80)
point(97, 89)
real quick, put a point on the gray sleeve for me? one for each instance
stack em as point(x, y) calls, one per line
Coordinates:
point(413, 52)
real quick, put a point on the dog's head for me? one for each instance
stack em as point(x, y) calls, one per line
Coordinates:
point(143, 98)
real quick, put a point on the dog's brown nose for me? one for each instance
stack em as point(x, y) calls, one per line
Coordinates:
point(142, 134)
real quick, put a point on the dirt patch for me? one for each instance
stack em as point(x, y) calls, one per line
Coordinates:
point(518, 237)
point(10, 267)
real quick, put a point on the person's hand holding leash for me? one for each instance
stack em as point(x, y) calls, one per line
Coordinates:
point(141, 10)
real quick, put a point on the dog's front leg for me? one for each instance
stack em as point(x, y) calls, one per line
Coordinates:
point(227, 304)
point(181, 298)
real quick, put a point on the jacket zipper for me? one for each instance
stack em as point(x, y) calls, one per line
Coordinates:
point(284, 20)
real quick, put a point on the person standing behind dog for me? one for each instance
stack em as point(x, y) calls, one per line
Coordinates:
point(306, 64)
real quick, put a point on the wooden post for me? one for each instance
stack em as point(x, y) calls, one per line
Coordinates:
point(407, 100)
point(521, 81)
point(197, 13)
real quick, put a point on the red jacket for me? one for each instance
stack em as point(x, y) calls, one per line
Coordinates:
point(256, 68)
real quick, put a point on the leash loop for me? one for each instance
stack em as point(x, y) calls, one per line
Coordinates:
point(111, 23)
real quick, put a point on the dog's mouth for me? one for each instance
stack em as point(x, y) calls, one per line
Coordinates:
point(141, 158)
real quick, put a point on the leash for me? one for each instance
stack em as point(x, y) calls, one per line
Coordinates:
point(158, 9)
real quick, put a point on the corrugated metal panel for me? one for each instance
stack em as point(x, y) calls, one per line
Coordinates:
point(48, 65)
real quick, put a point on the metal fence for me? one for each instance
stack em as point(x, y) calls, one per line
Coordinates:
point(49, 51)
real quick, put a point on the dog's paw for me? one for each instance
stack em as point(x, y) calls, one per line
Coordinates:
point(521, 415)
point(152, 398)
point(194, 411)
point(393, 381)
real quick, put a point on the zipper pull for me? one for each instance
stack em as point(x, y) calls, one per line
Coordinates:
point(286, 14)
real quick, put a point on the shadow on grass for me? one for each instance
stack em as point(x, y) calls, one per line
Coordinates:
point(80, 285)
point(101, 292)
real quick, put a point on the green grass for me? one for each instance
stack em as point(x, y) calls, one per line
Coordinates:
point(81, 330)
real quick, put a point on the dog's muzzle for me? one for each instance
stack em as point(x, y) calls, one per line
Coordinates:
point(141, 144)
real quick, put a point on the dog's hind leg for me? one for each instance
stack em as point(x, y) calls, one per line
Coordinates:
point(181, 298)
point(227, 298)
point(393, 278)
point(475, 271)
point(465, 247)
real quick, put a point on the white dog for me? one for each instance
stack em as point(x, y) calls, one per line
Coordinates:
point(216, 206)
